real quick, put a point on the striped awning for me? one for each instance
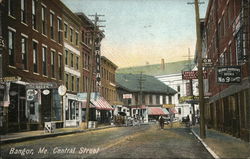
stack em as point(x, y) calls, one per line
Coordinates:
point(156, 111)
point(101, 104)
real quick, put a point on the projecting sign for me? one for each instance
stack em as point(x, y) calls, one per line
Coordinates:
point(207, 62)
point(62, 90)
point(229, 74)
point(10, 79)
point(30, 95)
point(187, 75)
point(127, 96)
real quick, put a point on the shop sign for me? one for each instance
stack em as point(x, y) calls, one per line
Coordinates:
point(188, 75)
point(2, 44)
point(30, 94)
point(207, 62)
point(62, 90)
point(10, 79)
point(83, 96)
point(229, 74)
point(127, 96)
point(46, 92)
point(168, 105)
point(41, 85)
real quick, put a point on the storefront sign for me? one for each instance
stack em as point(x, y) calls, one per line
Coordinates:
point(188, 75)
point(2, 44)
point(127, 96)
point(62, 90)
point(41, 85)
point(168, 105)
point(46, 92)
point(83, 96)
point(30, 95)
point(10, 79)
point(207, 62)
point(229, 74)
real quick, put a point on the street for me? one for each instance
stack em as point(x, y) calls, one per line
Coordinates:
point(145, 141)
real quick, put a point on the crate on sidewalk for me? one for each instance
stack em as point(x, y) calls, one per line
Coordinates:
point(49, 127)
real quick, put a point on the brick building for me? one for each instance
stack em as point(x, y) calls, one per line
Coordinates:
point(226, 41)
point(73, 65)
point(33, 52)
point(108, 86)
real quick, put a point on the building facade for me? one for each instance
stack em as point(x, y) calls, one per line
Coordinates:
point(32, 60)
point(227, 40)
point(140, 92)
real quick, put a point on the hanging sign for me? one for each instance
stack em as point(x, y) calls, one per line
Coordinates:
point(62, 90)
point(228, 74)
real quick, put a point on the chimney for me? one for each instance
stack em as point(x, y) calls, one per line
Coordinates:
point(162, 64)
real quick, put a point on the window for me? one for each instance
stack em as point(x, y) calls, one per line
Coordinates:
point(71, 35)
point(72, 83)
point(179, 96)
point(178, 88)
point(59, 27)
point(65, 31)
point(43, 20)
point(164, 100)
point(157, 99)
point(66, 57)
point(76, 38)
point(72, 60)
point(23, 11)
point(51, 25)
point(169, 99)
point(240, 51)
point(34, 8)
point(24, 50)
point(11, 7)
point(77, 62)
point(67, 81)
point(44, 53)
point(60, 68)
point(35, 60)
point(77, 84)
point(11, 46)
point(53, 64)
point(179, 110)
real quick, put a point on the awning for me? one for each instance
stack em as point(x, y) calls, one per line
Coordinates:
point(156, 111)
point(173, 110)
point(101, 104)
point(165, 111)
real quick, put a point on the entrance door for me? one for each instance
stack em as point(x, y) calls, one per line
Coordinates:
point(46, 107)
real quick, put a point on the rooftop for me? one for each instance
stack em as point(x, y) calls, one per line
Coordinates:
point(150, 84)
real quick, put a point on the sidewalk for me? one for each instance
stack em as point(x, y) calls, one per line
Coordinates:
point(29, 135)
point(224, 145)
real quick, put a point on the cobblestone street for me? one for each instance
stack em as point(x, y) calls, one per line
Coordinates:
point(146, 141)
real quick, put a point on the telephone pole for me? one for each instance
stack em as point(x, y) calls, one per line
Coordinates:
point(200, 71)
point(94, 34)
point(141, 80)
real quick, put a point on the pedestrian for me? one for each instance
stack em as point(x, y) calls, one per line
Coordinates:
point(161, 121)
point(188, 121)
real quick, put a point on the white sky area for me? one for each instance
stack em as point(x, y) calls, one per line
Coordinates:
point(144, 31)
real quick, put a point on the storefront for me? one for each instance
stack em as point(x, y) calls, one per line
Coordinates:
point(72, 110)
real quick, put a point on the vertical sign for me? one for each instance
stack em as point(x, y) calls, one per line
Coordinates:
point(98, 62)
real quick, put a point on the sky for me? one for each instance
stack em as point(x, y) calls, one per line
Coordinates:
point(140, 32)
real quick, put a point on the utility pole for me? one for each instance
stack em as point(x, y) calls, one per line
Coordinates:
point(94, 34)
point(200, 71)
point(141, 80)
point(191, 88)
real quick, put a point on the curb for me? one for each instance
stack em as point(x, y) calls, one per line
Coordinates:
point(15, 140)
point(206, 146)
